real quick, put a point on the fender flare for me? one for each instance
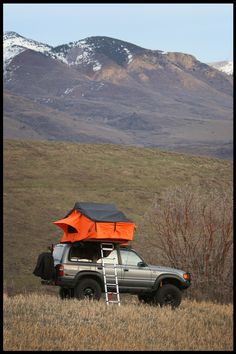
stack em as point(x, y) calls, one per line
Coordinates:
point(168, 276)
point(91, 274)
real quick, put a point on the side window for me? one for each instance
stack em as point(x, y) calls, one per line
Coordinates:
point(129, 258)
point(58, 252)
point(82, 254)
point(109, 257)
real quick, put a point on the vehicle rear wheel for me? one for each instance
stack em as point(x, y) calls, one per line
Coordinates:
point(168, 295)
point(88, 289)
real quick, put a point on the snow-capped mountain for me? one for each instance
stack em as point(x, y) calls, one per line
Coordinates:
point(14, 44)
point(85, 52)
point(224, 66)
point(79, 53)
point(102, 89)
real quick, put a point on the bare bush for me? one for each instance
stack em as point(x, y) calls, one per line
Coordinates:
point(194, 232)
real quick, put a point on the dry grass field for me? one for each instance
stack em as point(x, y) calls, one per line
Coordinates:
point(40, 322)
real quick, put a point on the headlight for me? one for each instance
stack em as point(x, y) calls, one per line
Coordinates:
point(187, 276)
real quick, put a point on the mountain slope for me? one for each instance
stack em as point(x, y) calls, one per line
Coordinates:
point(105, 89)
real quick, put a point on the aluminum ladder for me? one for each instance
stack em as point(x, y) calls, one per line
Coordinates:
point(108, 278)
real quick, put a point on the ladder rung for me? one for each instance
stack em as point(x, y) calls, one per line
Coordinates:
point(114, 301)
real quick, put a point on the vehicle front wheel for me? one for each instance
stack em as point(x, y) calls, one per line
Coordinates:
point(168, 295)
point(88, 289)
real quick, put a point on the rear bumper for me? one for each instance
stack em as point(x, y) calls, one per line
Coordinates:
point(65, 283)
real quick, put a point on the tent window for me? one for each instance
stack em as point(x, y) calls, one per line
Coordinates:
point(71, 230)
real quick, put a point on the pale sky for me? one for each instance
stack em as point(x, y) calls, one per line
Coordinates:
point(203, 30)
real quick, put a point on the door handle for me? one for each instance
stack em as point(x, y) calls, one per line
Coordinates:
point(126, 270)
point(99, 267)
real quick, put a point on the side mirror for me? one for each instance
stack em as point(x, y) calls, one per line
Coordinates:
point(141, 264)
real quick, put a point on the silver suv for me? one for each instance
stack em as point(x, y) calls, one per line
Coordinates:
point(79, 274)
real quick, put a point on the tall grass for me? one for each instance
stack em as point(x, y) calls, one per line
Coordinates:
point(44, 322)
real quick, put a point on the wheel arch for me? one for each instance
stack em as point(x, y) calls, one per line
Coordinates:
point(169, 279)
point(90, 275)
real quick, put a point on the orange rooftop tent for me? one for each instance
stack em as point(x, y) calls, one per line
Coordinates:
point(95, 221)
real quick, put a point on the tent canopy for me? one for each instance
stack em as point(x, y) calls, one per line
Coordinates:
point(100, 212)
point(95, 221)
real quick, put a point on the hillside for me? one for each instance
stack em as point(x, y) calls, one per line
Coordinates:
point(105, 90)
point(43, 180)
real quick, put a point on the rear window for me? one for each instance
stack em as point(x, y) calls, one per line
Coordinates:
point(90, 252)
point(84, 253)
point(58, 253)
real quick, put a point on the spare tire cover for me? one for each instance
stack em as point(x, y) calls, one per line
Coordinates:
point(45, 267)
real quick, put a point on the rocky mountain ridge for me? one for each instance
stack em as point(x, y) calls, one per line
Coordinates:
point(102, 89)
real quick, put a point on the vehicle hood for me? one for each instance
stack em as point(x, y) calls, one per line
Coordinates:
point(163, 269)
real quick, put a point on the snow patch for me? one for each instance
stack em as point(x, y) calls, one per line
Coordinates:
point(14, 44)
point(59, 56)
point(68, 90)
point(25, 43)
point(83, 58)
point(224, 66)
point(87, 56)
point(97, 66)
point(129, 55)
point(10, 53)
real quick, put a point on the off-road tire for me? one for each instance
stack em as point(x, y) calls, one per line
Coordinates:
point(168, 295)
point(88, 289)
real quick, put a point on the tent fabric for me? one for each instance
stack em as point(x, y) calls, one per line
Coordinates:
point(95, 221)
point(100, 212)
